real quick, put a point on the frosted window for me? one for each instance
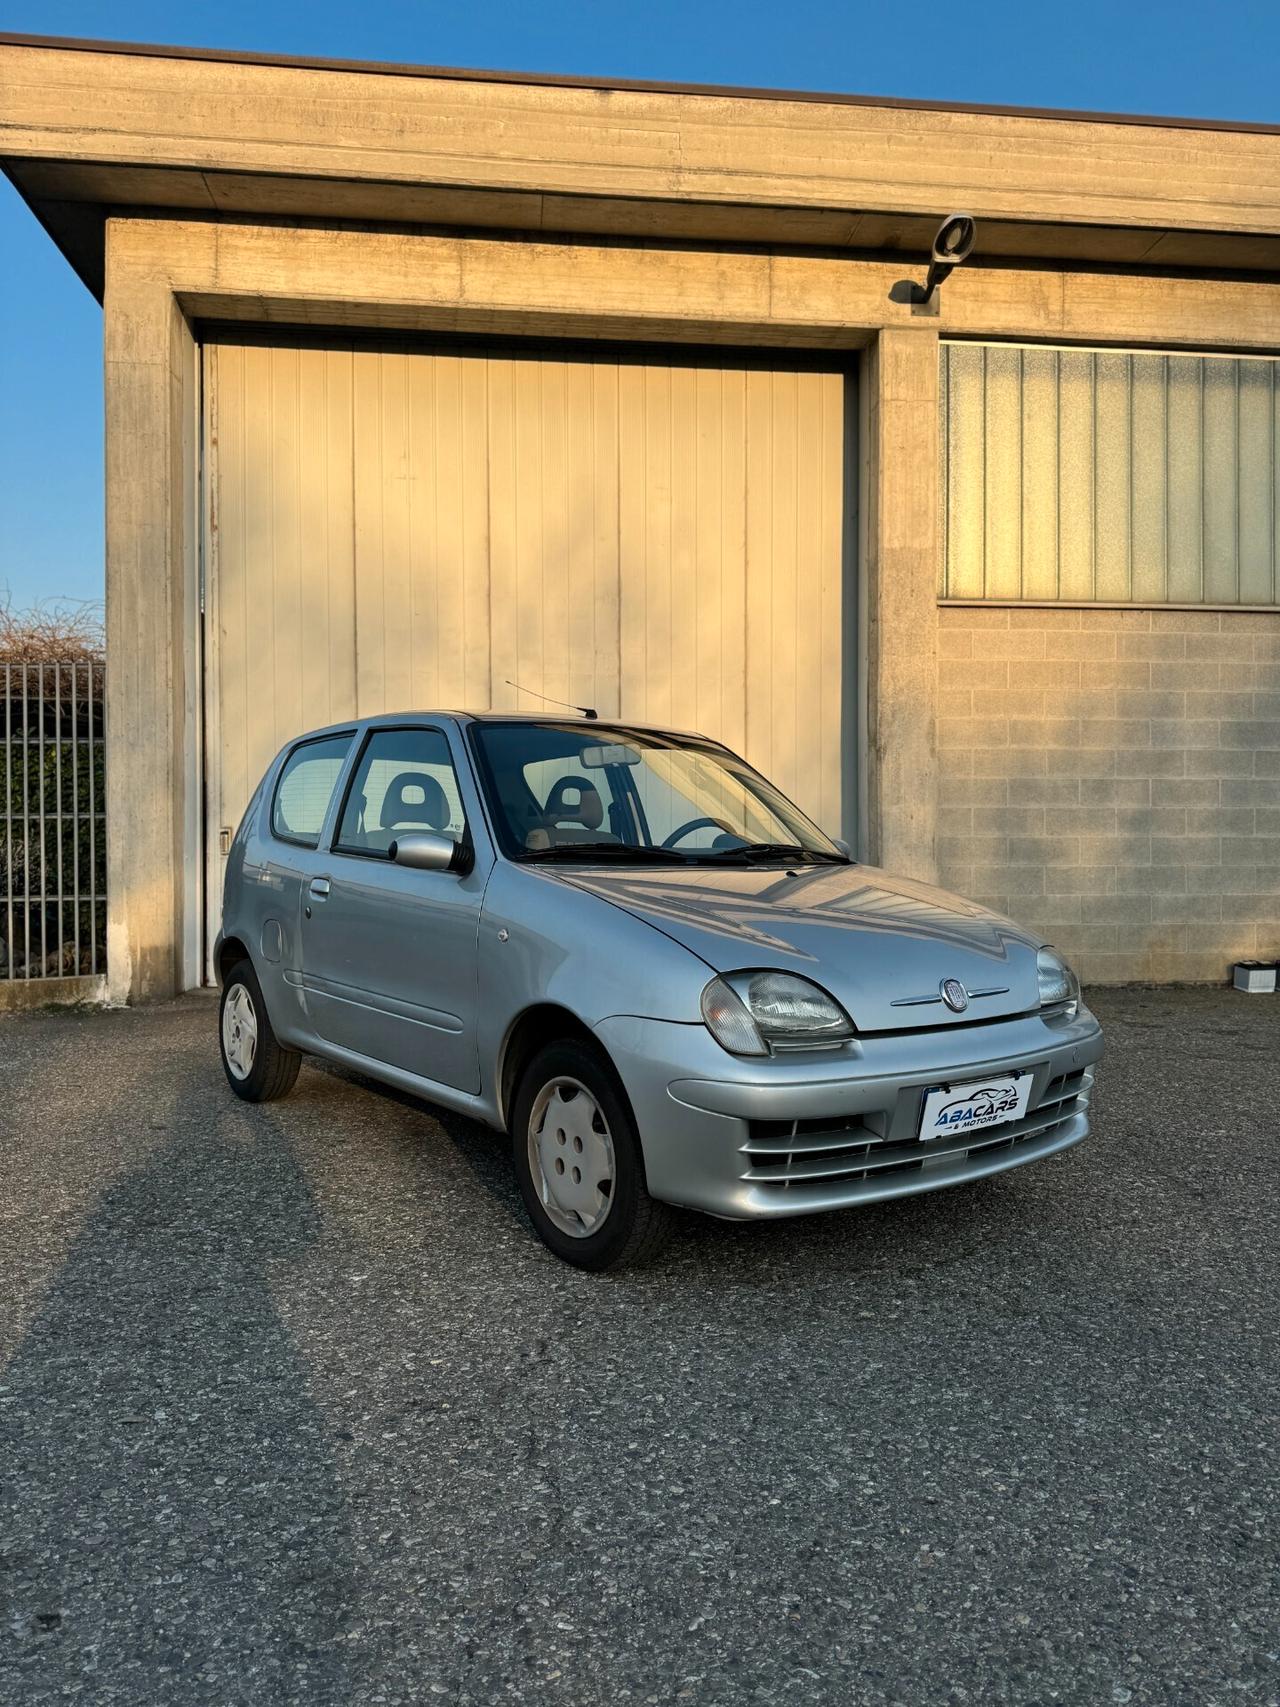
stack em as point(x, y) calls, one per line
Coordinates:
point(1103, 476)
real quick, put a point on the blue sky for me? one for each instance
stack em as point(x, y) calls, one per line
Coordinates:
point(1214, 60)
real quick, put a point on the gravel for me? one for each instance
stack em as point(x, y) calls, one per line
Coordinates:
point(293, 1408)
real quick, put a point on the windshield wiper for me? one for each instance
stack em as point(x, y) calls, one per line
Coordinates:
point(791, 851)
point(605, 850)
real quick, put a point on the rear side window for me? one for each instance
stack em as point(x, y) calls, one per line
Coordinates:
point(305, 787)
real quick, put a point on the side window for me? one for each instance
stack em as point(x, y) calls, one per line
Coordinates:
point(304, 787)
point(405, 781)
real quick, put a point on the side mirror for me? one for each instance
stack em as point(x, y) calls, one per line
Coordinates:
point(844, 847)
point(424, 850)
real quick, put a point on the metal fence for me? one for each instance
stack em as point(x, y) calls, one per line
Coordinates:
point(53, 909)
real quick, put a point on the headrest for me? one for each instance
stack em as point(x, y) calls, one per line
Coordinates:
point(413, 797)
point(574, 800)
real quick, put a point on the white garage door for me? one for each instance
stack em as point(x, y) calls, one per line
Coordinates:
point(390, 530)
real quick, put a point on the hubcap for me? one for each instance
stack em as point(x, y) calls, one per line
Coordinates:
point(239, 1032)
point(571, 1157)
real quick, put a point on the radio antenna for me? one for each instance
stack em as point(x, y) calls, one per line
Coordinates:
point(587, 711)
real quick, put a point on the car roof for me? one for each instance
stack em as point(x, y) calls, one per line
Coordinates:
point(392, 719)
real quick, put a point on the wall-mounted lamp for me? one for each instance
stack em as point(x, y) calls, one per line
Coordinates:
point(953, 244)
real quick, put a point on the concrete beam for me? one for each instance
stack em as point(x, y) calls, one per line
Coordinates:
point(63, 103)
point(401, 281)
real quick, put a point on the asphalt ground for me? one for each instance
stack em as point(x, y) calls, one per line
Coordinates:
point(293, 1408)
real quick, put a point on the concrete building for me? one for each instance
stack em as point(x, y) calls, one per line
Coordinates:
point(419, 380)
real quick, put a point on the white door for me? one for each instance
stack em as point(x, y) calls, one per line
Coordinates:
point(396, 530)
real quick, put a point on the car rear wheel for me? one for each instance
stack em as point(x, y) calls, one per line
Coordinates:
point(258, 1067)
point(577, 1158)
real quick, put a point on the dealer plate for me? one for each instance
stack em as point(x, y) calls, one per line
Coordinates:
point(971, 1107)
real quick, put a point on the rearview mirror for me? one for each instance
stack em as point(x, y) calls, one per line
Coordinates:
point(597, 758)
point(424, 850)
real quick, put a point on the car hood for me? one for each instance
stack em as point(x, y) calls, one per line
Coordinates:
point(881, 945)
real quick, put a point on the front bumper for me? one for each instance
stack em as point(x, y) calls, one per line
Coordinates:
point(749, 1139)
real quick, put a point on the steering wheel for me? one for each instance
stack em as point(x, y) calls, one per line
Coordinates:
point(693, 824)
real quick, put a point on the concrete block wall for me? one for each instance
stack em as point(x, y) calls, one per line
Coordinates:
point(1112, 777)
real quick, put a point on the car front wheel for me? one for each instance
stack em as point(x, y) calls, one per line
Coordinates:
point(577, 1158)
point(258, 1067)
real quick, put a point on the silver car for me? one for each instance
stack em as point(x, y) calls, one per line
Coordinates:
point(628, 949)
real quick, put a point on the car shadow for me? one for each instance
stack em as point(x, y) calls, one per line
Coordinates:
point(171, 1511)
point(484, 1151)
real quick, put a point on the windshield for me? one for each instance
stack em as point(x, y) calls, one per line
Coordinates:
point(588, 790)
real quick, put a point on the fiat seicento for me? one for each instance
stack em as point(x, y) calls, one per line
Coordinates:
point(629, 950)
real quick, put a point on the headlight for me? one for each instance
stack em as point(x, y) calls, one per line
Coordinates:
point(748, 1013)
point(1059, 985)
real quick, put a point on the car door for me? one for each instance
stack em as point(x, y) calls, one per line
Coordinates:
point(389, 954)
point(279, 861)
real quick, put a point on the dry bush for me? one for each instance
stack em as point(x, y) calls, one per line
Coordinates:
point(53, 631)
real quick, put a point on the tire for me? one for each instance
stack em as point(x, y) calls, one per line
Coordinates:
point(267, 1070)
point(556, 1134)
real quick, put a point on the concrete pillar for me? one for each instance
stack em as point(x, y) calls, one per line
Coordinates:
point(901, 548)
point(152, 628)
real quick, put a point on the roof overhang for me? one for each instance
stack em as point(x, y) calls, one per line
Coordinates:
point(90, 128)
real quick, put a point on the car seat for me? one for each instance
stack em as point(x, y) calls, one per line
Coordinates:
point(413, 799)
point(574, 811)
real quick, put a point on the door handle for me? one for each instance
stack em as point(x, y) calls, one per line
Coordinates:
point(319, 887)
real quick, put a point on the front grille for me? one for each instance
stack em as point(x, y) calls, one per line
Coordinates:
point(874, 1146)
